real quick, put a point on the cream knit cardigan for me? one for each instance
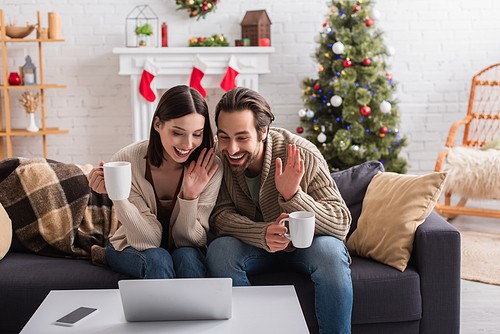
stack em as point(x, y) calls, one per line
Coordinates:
point(233, 215)
point(140, 228)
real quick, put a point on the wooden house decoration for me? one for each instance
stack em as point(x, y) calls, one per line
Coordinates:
point(256, 25)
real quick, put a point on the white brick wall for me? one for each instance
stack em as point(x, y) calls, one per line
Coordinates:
point(440, 46)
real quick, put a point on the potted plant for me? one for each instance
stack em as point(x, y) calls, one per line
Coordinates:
point(142, 32)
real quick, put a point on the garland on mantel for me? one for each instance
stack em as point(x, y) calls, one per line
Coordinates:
point(197, 8)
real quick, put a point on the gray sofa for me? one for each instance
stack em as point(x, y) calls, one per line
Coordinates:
point(425, 298)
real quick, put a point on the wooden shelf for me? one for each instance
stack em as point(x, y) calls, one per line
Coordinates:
point(31, 87)
point(24, 132)
point(6, 131)
point(29, 40)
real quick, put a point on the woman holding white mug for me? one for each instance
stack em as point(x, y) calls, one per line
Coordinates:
point(175, 183)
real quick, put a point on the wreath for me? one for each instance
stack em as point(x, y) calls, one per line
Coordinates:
point(197, 8)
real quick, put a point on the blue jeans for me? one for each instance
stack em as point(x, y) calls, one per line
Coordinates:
point(185, 262)
point(326, 261)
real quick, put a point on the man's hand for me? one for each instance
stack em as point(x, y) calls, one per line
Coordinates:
point(287, 182)
point(198, 174)
point(274, 235)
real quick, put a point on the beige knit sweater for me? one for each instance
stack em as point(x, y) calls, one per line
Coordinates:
point(235, 209)
point(140, 228)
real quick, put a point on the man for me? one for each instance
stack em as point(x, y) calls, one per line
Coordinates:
point(256, 193)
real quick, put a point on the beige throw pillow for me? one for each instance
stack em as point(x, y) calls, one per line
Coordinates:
point(393, 207)
point(5, 232)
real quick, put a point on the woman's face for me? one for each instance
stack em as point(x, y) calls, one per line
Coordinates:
point(180, 136)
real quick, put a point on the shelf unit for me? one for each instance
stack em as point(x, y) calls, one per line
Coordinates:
point(6, 131)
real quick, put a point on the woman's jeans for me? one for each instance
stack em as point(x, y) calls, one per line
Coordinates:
point(184, 262)
point(326, 261)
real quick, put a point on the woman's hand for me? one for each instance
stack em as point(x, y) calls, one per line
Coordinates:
point(198, 174)
point(96, 179)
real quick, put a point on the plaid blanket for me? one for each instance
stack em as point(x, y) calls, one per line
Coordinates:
point(53, 210)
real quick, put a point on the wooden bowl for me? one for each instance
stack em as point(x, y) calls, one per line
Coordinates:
point(18, 32)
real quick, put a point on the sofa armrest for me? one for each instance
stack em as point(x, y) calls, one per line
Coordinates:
point(436, 256)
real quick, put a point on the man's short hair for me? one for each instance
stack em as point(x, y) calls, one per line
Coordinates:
point(240, 99)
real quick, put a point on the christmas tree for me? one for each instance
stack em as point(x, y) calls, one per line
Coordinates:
point(349, 111)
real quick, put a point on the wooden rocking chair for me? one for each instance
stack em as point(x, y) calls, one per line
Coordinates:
point(481, 127)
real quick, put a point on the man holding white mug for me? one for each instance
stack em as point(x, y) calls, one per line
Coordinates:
point(268, 173)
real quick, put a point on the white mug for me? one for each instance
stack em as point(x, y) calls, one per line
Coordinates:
point(118, 179)
point(301, 225)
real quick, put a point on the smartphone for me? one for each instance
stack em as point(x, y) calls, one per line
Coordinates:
point(76, 316)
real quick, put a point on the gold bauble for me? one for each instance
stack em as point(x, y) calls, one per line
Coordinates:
point(327, 55)
point(209, 5)
point(190, 2)
point(321, 68)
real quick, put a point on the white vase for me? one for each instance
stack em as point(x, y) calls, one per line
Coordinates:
point(32, 127)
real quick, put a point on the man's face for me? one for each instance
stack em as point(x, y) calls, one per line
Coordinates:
point(239, 141)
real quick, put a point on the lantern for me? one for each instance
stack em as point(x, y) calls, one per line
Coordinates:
point(29, 73)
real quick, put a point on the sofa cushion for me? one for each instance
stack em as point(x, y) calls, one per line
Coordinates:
point(393, 207)
point(5, 232)
point(383, 293)
point(352, 184)
point(26, 279)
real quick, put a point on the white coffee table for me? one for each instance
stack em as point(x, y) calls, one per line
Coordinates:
point(262, 309)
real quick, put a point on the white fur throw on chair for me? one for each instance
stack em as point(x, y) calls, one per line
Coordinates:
point(473, 173)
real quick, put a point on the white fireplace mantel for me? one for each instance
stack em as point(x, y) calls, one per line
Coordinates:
point(176, 65)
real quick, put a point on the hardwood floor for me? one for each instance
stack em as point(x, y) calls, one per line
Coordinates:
point(480, 302)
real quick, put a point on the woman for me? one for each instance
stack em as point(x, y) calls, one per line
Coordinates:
point(175, 184)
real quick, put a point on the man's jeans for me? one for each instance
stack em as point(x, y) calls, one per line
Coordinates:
point(185, 262)
point(326, 260)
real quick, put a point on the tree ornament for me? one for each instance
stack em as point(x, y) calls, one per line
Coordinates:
point(369, 22)
point(321, 68)
point(383, 130)
point(391, 51)
point(300, 129)
point(389, 76)
point(385, 107)
point(317, 87)
point(375, 14)
point(336, 100)
point(347, 63)
point(302, 113)
point(310, 114)
point(365, 111)
point(321, 137)
point(355, 147)
point(338, 48)
point(367, 62)
point(317, 38)
point(356, 8)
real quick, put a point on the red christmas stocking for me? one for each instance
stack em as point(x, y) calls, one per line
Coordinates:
point(199, 69)
point(148, 74)
point(233, 69)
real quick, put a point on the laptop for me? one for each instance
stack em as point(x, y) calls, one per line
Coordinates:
point(176, 299)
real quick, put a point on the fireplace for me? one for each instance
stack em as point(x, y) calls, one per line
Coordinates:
point(176, 64)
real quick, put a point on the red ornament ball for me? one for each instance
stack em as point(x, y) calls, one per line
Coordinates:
point(300, 129)
point(347, 63)
point(204, 8)
point(367, 62)
point(316, 86)
point(356, 8)
point(383, 129)
point(389, 76)
point(365, 111)
point(369, 22)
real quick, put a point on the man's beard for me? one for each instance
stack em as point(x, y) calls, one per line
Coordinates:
point(249, 158)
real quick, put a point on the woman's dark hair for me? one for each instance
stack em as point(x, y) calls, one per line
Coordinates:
point(177, 102)
point(241, 98)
